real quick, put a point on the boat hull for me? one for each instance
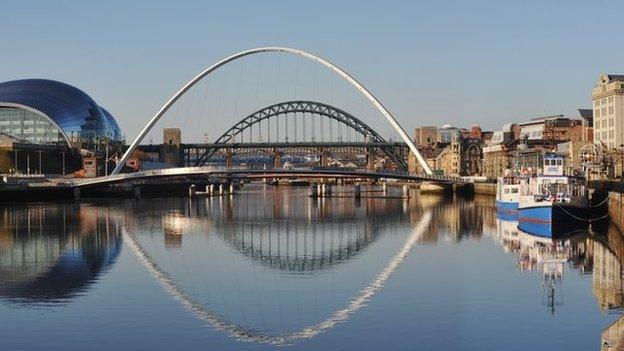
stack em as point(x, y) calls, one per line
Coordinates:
point(552, 220)
point(507, 210)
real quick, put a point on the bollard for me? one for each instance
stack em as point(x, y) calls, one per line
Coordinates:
point(220, 189)
point(357, 190)
point(207, 189)
point(191, 190)
point(384, 187)
point(319, 190)
point(231, 188)
point(405, 191)
point(211, 189)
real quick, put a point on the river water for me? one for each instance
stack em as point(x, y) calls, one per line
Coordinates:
point(270, 268)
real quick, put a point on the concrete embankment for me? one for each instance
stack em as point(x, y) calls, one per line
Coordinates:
point(616, 203)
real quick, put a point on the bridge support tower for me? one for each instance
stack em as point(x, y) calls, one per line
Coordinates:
point(228, 158)
point(370, 159)
point(277, 158)
point(324, 157)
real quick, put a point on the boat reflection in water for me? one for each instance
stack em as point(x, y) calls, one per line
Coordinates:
point(51, 253)
point(600, 255)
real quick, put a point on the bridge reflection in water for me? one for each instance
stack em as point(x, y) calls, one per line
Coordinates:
point(52, 253)
point(272, 266)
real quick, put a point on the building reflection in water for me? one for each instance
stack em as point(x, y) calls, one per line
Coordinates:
point(587, 253)
point(51, 253)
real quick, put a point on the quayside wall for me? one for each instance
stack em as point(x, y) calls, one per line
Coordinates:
point(616, 210)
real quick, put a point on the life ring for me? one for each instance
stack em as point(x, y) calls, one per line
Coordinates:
point(525, 171)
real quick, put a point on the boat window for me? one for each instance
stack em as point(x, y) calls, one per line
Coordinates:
point(514, 190)
point(506, 191)
point(559, 162)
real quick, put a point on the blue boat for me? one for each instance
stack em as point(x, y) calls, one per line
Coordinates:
point(553, 204)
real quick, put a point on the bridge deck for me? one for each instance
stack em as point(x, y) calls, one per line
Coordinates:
point(319, 172)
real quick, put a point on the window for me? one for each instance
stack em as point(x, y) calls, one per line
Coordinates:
point(604, 123)
point(603, 101)
point(611, 122)
point(610, 98)
point(611, 134)
point(506, 190)
point(596, 103)
point(603, 111)
point(559, 162)
point(610, 110)
point(597, 112)
point(514, 190)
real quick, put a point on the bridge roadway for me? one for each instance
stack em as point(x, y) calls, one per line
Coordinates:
point(246, 172)
point(296, 144)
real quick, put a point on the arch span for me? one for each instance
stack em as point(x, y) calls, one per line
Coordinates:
point(311, 107)
point(384, 111)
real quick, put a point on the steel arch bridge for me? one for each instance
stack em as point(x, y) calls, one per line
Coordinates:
point(311, 108)
point(285, 50)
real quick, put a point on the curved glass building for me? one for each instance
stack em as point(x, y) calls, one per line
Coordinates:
point(41, 111)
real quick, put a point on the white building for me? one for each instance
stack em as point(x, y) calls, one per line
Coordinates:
point(608, 104)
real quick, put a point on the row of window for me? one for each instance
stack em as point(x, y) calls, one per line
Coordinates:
point(28, 126)
point(602, 124)
point(553, 162)
point(603, 101)
point(604, 111)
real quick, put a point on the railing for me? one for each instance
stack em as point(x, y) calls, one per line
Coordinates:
point(246, 169)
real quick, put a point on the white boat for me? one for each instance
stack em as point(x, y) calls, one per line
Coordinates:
point(508, 195)
point(553, 204)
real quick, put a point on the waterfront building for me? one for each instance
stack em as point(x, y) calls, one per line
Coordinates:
point(425, 136)
point(496, 157)
point(47, 125)
point(39, 111)
point(447, 133)
point(551, 130)
point(608, 105)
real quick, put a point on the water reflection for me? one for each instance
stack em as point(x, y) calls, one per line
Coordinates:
point(275, 267)
point(51, 253)
point(284, 234)
point(592, 253)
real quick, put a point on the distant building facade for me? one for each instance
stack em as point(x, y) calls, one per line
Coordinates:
point(425, 136)
point(608, 105)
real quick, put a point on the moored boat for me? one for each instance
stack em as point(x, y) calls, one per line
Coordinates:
point(508, 196)
point(553, 204)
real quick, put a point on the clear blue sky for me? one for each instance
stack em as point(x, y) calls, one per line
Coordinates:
point(430, 62)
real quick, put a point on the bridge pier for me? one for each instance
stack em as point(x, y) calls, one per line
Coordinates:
point(277, 158)
point(228, 157)
point(324, 156)
point(370, 159)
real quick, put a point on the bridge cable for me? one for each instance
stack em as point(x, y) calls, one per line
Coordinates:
point(203, 109)
point(256, 96)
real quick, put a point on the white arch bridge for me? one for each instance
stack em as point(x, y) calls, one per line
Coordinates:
point(115, 174)
point(191, 173)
